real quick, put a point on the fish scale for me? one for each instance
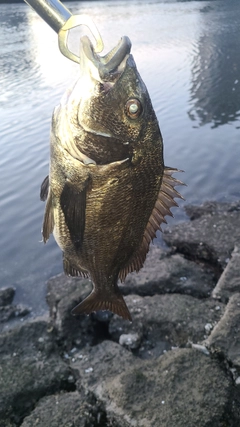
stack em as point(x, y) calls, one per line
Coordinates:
point(108, 189)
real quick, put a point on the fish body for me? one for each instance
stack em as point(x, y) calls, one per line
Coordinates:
point(108, 190)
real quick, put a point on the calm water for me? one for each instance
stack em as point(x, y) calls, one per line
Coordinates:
point(188, 55)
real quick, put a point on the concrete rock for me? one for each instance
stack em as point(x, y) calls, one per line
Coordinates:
point(94, 364)
point(65, 410)
point(7, 310)
point(63, 294)
point(131, 341)
point(7, 423)
point(167, 320)
point(28, 338)
point(29, 369)
point(6, 296)
point(62, 286)
point(211, 236)
point(165, 273)
point(181, 388)
point(225, 337)
point(229, 281)
point(43, 363)
point(10, 312)
point(211, 207)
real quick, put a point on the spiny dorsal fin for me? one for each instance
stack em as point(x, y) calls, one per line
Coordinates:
point(164, 203)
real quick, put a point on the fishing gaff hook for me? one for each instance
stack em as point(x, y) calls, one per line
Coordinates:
point(60, 19)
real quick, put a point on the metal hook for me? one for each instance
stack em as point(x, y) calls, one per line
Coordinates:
point(72, 22)
point(61, 20)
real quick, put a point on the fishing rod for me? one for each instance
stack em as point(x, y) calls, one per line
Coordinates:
point(61, 20)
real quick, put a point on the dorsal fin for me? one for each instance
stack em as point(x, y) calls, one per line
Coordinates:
point(164, 203)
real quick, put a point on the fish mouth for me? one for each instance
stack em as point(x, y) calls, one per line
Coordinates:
point(106, 68)
point(99, 73)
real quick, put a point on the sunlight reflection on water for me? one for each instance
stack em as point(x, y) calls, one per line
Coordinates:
point(187, 54)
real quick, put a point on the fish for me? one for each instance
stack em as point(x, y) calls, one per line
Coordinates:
point(108, 190)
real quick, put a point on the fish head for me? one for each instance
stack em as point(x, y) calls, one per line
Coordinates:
point(113, 114)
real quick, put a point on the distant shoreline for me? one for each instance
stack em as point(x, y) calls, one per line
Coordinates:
point(22, 1)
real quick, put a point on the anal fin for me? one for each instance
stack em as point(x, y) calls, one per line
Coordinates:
point(102, 301)
point(71, 270)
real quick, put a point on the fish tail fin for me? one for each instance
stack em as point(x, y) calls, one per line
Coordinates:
point(98, 300)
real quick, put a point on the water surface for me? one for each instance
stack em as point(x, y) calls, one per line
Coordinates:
point(188, 55)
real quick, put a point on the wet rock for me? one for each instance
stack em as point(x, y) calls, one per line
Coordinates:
point(165, 273)
point(30, 368)
point(7, 423)
point(68, 372)
point(225, 337)
point(65, 410)
point(7, 310)
point(10, 312)
point(167, 320)
point(6, 296)
point(131, 341)
point(28, 338)
point(229, 281)
point(63, 294)
point(61, 286)
point(211, 207)
point(94, 364)
point(211, 236)
point(181, 388)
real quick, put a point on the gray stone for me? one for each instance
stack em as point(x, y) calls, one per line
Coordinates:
point(181, 388)
point(211, 236)
point(10, 312)
point(167, 320)
point(61, 286)
point(4, 422)
point(211, 207)
point(165, 273)
point(65, 410)
point(28, 338)
point(229, 281)
point(225, 337)
point(6, 296)
point(63, 294)
point(131, 341)
point(30, 368)
point(94, 364)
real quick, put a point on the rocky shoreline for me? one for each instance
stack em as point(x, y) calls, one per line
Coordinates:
point(177, 364)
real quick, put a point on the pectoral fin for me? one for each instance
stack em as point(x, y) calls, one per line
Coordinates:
point(44, 189)
point(48, 221)
point(73, 205)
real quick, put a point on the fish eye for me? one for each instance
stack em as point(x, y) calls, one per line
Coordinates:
point(133, 108)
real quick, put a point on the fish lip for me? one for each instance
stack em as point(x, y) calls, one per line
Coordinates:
point(110, 66)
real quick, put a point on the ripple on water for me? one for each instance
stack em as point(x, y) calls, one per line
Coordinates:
point(186, 52)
